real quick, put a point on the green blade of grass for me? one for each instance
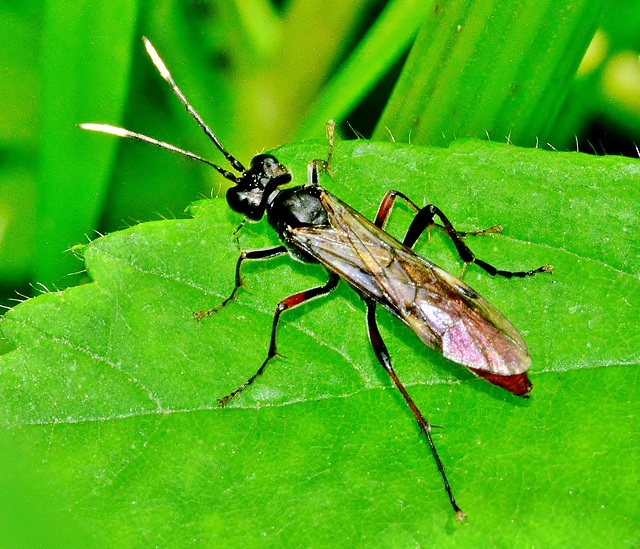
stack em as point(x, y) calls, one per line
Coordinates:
point(497, 69)
point(69, 206)
point(386, 41)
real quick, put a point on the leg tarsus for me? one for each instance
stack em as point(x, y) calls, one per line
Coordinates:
point(510, 274)
point(319, 165)
point(494, 229)
point(199, 315)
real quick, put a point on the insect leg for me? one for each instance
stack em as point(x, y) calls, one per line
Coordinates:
point(244, 255)
point(382, 354)
point(317, 165)
point(287, 303)
point(384, 211)
point(425, 218)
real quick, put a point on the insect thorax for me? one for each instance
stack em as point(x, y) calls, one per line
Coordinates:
point(297, 207)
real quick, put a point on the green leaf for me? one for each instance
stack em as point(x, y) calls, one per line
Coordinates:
point(114, 384)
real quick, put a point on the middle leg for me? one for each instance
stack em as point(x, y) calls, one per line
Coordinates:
point(287, 303)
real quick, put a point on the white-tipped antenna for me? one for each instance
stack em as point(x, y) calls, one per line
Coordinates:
point(121, 132)
point(166, 75)
point(164, 72)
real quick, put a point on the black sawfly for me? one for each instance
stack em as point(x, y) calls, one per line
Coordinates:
point(317, 227)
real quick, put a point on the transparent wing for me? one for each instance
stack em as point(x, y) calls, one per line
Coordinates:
point(443, 311)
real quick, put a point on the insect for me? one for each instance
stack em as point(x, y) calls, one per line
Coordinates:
point(317, 227)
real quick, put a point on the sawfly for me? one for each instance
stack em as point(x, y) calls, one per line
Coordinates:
point(317, 227)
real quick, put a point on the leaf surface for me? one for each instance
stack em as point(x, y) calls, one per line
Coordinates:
point(114, 385)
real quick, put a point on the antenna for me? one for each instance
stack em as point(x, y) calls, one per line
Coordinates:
point(166, 75)
point(164, 72)
point(121, 132)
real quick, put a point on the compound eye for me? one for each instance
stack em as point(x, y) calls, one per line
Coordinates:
point(267, 166)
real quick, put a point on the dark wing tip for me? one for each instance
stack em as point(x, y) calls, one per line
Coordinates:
point(518, 384)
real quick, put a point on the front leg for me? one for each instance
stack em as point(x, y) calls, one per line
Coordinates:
point(263, 253)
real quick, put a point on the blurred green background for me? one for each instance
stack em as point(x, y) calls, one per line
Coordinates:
point(560, 75)
point(264, 73)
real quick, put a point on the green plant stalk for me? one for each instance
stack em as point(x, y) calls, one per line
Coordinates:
point(314, 36)
point(494, 68)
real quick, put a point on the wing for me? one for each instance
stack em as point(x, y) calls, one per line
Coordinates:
point(443, 311)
